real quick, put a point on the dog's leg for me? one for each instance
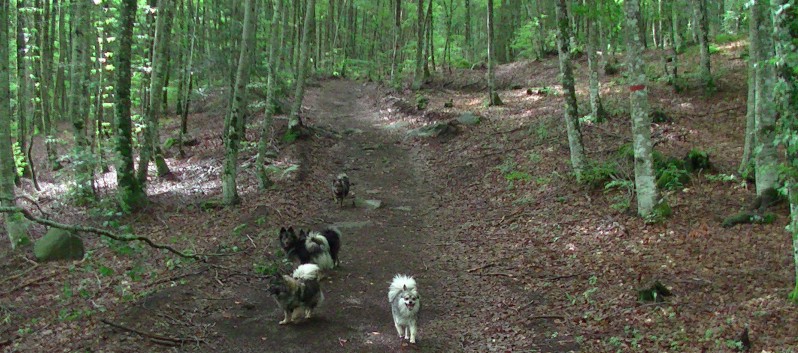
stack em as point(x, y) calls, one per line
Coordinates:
point(412, 327)
point(308, 313)
point(398, 329)
point(288, 317)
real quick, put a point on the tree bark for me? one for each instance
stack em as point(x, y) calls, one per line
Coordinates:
point(418, 74)
point(79, 101)
point(703, 42)
point(397, 29)
point(23, 83)
point(570, 108)
point(130, 194)
point(274, 61)
point(766, 158)
point(235, 119)
point(645, 184)
point(493, 96)
point(294, 120)
point(597, 108)
point(12, 221)
point(152, 143)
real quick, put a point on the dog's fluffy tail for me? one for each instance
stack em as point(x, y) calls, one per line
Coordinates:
point(315, 242)
point(307, 272)
point(400, 283)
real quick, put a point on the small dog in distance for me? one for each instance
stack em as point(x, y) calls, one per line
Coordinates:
point(340, 188)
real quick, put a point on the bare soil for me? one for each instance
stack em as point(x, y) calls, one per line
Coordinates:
point(507, 264)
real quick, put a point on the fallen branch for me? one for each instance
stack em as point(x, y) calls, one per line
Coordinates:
point(552, 317)
point(175, 278)
point(78, 228)
point(480, 268)
point(28, 283)
point(9, 278)
point(163, 340)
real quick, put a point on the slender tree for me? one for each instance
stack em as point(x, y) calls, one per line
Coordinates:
point(493, 96)
point(79, 101)
point(597, 108)
point(785, 16)
point(274, 60)
point(23, 83)
point(294, 120)
point(152, 145)
point(397, 30)
point(750, 115)
point(570, 108)
point(766, 156)
point(702, 17)
point(645, 185)
point(13, 221)
point(234, 123)
point(130, 194)
point(468, 41)
point(418, 74)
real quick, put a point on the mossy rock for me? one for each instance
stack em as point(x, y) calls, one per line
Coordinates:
point(468, 118)
point(59, 244)
point(434, 130)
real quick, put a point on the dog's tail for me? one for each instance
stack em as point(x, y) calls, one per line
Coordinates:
point(307, 272)
point(315, 242)
point(331, 231)
point(399, 284)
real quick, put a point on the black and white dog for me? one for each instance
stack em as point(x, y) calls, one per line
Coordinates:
point(320, 248)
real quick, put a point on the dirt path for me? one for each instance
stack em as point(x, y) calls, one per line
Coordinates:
point(377, 244)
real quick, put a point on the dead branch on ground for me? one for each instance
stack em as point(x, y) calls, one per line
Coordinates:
point(158, 339)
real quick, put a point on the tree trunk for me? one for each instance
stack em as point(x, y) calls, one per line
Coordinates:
point(468, 41)
point(13, 221)
point(418, 74)
point(750, 115)
point(235, 118)
point(766, 158)
point(23, 99)
point(597, 108)
point(785, 17)
point(79, 101)
point(189, 77)
point(130, 194)
point(294, 120)
point(493, 96)
point(397, 30)
point(645, 184)
point(566, 70)
point(703, 42)
point(152, 144)
point(274, 61)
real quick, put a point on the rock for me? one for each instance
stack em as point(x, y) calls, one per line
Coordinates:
point(469, 118)
point(371, 204)
point(59, 244)
point(433, 130)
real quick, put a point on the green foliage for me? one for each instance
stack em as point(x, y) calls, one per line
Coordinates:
point(597, 174)
point(671, 177)
point(19, 158)
point(713, 49)
point(660, 213)
point(282, 172)
point(421, 101)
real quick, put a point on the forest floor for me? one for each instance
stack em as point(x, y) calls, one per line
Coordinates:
point(511, 255)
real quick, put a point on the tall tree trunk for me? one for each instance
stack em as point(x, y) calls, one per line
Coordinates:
point(786, 96)
point(189, 77)
point(645, 185)
point(79, 101)
point(493, 96)
point(703, 42)
point(13, 221)
point(274, 61)
point(234, 122)
point(570, 108)
point(23, 98)
point(429, 53)
point(294, 120)
point(597, 108)
point(468, 40)
point(397, 30)
point(418, 74)
point(130, 195)
point(152, 143)
point(766, 158)
point(750, 115)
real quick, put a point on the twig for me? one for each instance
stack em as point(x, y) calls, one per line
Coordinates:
point(78, 228)
point(19, 274)
point(251, 241)
point(496, 274)
point(175, 278)
point(153, 337)
point(31, 200)
point(480, 267)
point(28, 283)
point(553, 317)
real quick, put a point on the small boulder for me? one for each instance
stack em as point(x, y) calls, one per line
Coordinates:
point(370, 204)
point(59, 244)
point(469, 118)
point(433, 130)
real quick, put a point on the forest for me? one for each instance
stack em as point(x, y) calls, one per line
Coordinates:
point(476, 175)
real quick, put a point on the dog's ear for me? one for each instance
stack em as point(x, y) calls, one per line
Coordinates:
point(282, 230)
point(290, 229)
point(404, 287)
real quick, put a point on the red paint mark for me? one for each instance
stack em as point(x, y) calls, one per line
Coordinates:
point(637, 88)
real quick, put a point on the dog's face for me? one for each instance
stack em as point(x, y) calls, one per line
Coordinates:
point(288, 238)
point(409, 298)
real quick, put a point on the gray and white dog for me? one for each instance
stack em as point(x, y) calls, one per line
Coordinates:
point(405, 305)
point(340, 188)
point(299, 292)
